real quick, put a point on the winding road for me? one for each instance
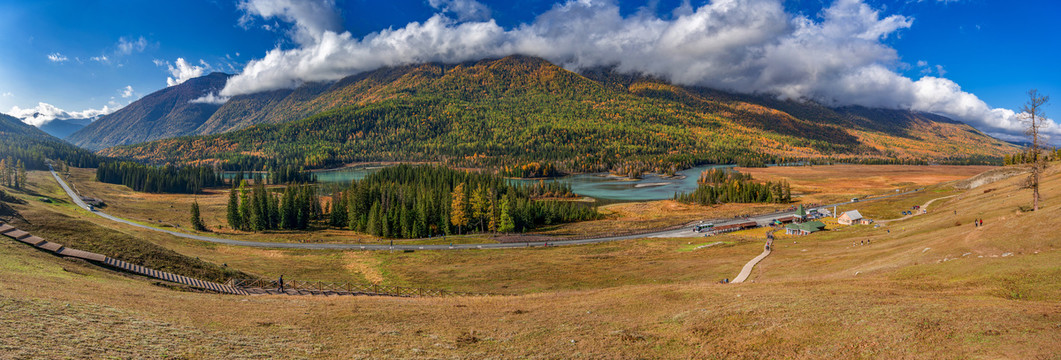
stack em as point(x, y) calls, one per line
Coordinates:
point(684, 232)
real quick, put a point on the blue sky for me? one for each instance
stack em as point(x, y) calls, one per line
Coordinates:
point(81, 55)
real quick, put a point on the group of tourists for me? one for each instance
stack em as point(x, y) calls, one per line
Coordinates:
point(978, 222)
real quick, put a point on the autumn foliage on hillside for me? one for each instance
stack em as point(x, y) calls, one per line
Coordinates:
point(515, 111)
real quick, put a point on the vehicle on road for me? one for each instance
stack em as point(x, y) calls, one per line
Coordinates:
point(703, 227)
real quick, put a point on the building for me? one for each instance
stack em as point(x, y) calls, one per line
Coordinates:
point(806, 228)
point(850, 218)
point(732, 227)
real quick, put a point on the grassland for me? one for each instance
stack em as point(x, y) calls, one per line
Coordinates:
point(931, 287)
point(836, 183)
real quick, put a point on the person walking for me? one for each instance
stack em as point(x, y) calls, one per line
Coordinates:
point(281, 283)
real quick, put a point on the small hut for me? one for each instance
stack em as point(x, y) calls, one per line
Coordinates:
point(850, 218)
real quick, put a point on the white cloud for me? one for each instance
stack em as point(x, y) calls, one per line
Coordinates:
point(101, 58)
point(7, 94)
point(181, 71)
point(311, 18)
point(127, 91)
point(44, 113)
point(464, 9)
point(940, 70)
point(748, 46)
point(126, 46)
point(211, 98)
point(57, 57)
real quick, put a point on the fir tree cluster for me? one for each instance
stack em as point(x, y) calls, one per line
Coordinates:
point(258, 209)
point(719, 186)
point(1028, 157)
point(419, 201)
point(158, 179)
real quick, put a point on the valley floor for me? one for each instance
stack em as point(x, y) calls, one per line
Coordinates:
point(932, 286)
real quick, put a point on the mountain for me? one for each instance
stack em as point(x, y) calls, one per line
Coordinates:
point(63, 128)
point(522, 109)
point(24, 142)
point(163, 114)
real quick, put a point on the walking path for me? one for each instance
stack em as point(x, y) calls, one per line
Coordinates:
point(767, 248)
point(59, 249)
point(747, 270)
point(922, 210)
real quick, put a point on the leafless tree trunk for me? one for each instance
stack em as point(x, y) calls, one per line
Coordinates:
point(1033, 116)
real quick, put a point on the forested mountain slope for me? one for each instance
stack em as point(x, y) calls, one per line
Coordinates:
point(522, 109)
point(163, 114)
point(65, 127)
point(21, 141)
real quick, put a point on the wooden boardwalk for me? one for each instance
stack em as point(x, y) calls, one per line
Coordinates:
point(59, 249)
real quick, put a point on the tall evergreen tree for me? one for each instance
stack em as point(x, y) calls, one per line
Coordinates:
point(20, 176)
point(373, 226)
point(245, 205)
point(197, 220)
point(505, 221)
point(338, 212)
point(3, 172)
point(234, 219)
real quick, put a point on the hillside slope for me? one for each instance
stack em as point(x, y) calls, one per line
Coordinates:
point(930, 287)
point(63, 128)
point(522, 109)
point(163, 114)
point(21, 141)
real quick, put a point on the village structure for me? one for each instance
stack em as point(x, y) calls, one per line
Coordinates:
point(803, 222)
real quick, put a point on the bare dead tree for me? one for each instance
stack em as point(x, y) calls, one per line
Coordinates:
point(1033, 118)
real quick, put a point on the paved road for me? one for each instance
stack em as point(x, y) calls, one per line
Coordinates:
point(685, 232)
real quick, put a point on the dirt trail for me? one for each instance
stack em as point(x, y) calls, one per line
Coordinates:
point(924, 208)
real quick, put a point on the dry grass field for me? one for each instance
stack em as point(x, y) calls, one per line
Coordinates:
point(929, 287)
point(826, 184)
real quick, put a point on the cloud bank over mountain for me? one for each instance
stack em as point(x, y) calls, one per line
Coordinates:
point(44, 113)
point(748, 46)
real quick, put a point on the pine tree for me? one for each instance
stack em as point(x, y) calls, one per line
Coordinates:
point(505, 222)
point(338, 213)
point(458, 211)
point(244, 206)
point(373, 227)
point(197, 220)
point(274, 212)
point(20, 176)
point(493, 214)
point(3, 173)
point(233, 215)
